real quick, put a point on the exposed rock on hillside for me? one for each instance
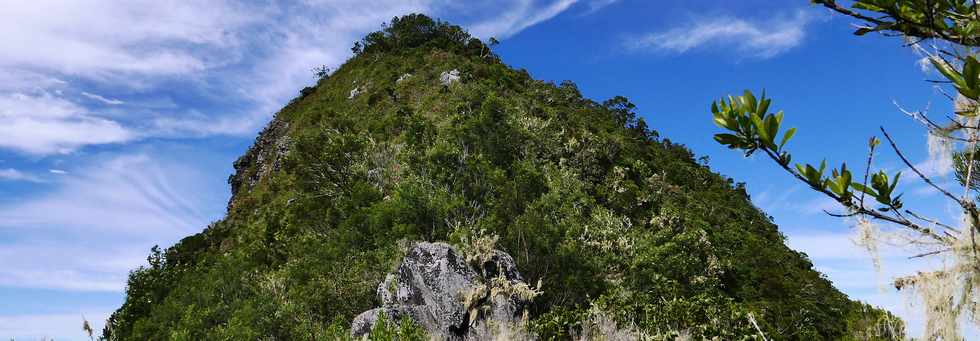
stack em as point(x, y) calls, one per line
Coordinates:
point(435, 288)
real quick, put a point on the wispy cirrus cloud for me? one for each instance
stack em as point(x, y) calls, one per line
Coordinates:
point(749, 37)
point(596, 5)
point(110, 101)
point(46, 123)
point(100, 220)
point(132, 194)
point(519, 16)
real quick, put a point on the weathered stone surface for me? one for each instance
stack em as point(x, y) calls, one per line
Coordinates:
point(354, 92)
point(431, 287)
point(263, 158)
point(447, 78)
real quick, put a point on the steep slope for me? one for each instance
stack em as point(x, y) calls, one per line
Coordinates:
point(425, 135)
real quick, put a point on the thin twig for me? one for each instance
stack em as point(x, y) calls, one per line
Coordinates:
point(933, 221)
point(922, 176)
point(841, 215)
point(930, 253)
point(867, 168)
point(858, 210)
point(966, 191)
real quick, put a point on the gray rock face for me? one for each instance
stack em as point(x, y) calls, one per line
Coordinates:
point(354, 92)
point(447, 78)
point(435, 287)
point(263, 158)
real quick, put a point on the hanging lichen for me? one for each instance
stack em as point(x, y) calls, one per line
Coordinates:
point(866, 236)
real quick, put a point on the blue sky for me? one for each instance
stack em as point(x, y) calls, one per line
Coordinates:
point(119, 120)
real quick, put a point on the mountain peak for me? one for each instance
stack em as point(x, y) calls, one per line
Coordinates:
point(424, 135)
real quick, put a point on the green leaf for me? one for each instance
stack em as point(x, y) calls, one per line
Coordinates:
point(786, 136)
point(764, 106)
point(760, 127)
point(867, 6)
point(862, 188)
point(722, 121)
point(952, 75)
point(895, 182)
point(772, 128)
point(729, 140)
point(749, 100)
point(971, 70)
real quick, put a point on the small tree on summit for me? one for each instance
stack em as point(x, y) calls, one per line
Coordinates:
point(419, 30)
point(947, 33)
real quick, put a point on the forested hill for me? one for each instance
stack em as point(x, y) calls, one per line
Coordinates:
point(426, 135)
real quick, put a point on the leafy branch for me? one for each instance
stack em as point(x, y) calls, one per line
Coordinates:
point(950, 20)
point(752, 128)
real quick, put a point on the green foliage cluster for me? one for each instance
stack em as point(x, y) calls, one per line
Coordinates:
point(583, 195)
point(949, 20)
point(420, 31)
point(753, 128)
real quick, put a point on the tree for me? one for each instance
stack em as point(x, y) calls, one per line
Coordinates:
point(947, 33)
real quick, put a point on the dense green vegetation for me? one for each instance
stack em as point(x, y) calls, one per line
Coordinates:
point(605, 213)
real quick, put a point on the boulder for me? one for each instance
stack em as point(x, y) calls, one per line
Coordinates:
point(436, 288)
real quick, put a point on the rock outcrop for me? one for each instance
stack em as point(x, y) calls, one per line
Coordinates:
point(436, 288)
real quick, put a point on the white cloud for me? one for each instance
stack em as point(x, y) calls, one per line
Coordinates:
point(45, 124)
point(109, 101)
point(596, 5)
point(18, 80)
point(16, 175)
point(114, 38)
point(519, 16)
point(751, 38)
point(57, 171)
